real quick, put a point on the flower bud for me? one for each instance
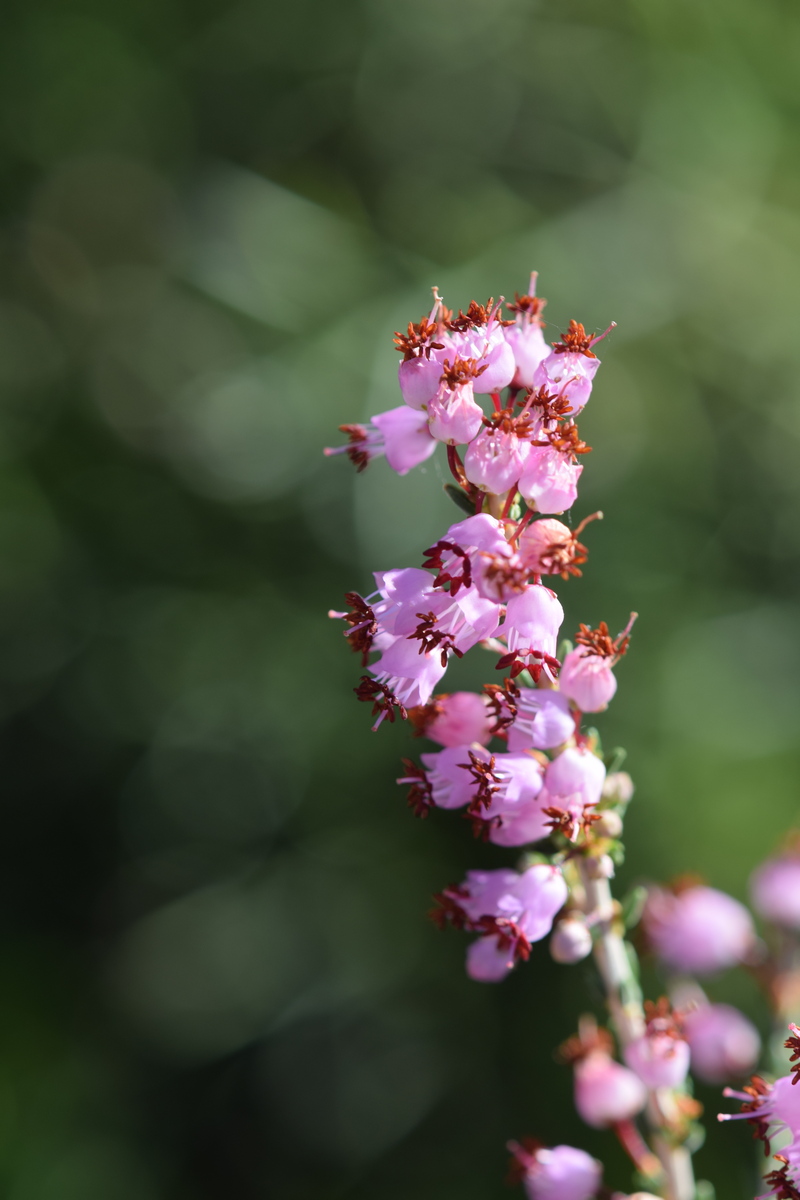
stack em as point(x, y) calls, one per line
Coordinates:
point(540, 543)
point(576, 771)
point(587, 679)
point(618, 786)
point(459, 720)
point(609, 825)
point(775, 891)
point(571, 939)
point(659, 1059)
point(699, 930)
point(563, 1173)
point(724, 1044)
point(606, 1092)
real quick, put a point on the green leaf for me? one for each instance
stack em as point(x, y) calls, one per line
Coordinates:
point(633, 906)
point(564, 648)
point(704, 1190)
point(460, 498)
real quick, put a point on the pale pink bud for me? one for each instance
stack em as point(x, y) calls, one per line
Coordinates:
point(571, 939)
point(723, 1043)
point(619, 787)
point(609, 825)
point(587, 679)
point(600, 867)
point(699, 930)
point(460, 719)
point(775, 891)
point(659, 1059)
point(563, 1173)
point(606, 1092)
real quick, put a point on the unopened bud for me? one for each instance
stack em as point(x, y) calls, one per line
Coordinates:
point(618, 786)
point(609, 825)
point(600, 868)
point(571, 940)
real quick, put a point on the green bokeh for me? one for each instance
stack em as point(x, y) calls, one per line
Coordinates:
point(217, 979)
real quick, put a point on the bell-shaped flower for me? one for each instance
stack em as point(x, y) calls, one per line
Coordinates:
point(525, 336)
point(587, 679)
point(606, 1092)
point(543, 720)
point(548, 547)
point(549, 482)
point(724, 1045)
point(496, 458)
point(403, 678)
point(510, 910)
point(699, 930)
point(424, 349)
point(479, 334)
point(522, 826)
point(660, 1057)
point(560, 1173)
point(775, 890)
point(571, 366)
point(457, 719)
point(576, 771)
point(454, 416)
point(400, 434)
point(773, 1109)
point(532, 621)
point(470, 553)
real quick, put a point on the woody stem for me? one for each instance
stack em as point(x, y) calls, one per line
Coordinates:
point(624, 1000)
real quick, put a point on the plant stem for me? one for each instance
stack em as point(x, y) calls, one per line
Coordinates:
point(624, 999)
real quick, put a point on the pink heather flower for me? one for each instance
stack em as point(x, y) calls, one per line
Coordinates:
point(571, 940)
point(480, 336)
point(532, 622)
point(571, 366)
point(495, 459)
point(451, 786)
point(775, 891)
point(525, 336)
point(548, 547)
point(453, 414)
point(509, 909)
point(410, 677)
point(543, 720)
point(419, 379)
point(459, 720)
point(549, 482)
point(606, 1092)
point(699, 930)
point(424, 350)
point(575, 773)
point(475, 551)
point(723, 1043)
point(563, 1173)
point(401, 434)
point(527, 824)
point(443, 624)
point(659, 1059)
point(587, 679)
point(771, 1107)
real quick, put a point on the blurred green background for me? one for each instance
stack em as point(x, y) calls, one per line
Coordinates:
point(216, 976)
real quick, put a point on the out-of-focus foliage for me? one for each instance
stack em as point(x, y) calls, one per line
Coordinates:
point(217, 978)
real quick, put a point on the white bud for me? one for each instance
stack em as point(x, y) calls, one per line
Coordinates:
point(571, 939)
point(609, 825)
point(618, 786)
point(600, 868)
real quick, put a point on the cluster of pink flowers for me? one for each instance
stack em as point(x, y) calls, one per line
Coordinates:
point(516, 759)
